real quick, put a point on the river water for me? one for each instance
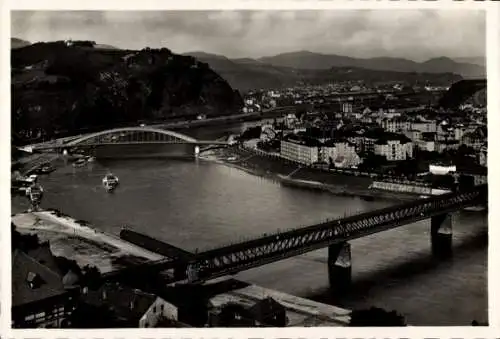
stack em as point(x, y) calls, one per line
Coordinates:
point(197, 204)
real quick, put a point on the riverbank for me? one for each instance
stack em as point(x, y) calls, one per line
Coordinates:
point(292, 174)
point(29, 164)
point(90, 240)
point(300, 311)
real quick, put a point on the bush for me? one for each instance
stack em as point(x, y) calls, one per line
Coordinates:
point(23, 242)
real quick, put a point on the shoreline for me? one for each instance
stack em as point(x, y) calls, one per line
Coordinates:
point(313, 184)
point(302, 307)
point(60, 223)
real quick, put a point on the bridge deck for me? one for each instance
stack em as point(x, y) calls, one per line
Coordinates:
point(249, 254)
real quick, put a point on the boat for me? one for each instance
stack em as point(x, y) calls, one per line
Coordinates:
point(46, 168)
point(110, 182)
point(21, 184)
point(90, 159)
point(35, 194)
point(80, 162)
point(475, 208)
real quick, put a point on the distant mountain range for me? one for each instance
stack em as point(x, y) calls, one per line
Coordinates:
point(289, 69)
point(292, 68)
point(310, 60)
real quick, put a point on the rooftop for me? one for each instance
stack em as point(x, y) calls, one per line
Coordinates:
point(33, 281)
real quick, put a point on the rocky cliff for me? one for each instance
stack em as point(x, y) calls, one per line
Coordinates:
point(61, 88)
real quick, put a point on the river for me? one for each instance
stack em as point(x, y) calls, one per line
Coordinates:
point(198, 204)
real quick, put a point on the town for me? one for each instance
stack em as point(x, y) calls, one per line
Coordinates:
point(379, 135)
point(296, 178)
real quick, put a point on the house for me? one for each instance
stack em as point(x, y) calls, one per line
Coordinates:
point(300, 149)
point(230, 311)
point(131, 307)
point(339, 152)
point(483, 155)
point(41, 295)
point(394, 147)
point(395, 125)
point(442, 146)
point(268, 312)
point(476, 138)
point(424, 126)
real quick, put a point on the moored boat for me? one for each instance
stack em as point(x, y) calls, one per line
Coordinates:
point(46, 168)
point(80, 162)
point(110, 182)
point(35, 194)
point(475, 208)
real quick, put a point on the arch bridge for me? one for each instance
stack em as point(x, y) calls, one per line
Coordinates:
point(129, 136)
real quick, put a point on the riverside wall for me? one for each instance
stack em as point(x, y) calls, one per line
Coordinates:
point(407, 188)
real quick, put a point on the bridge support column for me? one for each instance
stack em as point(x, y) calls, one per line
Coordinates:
point(339, 266)
point(441, 234)
point(180, 271)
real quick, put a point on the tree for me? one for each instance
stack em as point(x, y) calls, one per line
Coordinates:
point(23, 242)
point(372, 162)
point(91, 277)
point(376, 317)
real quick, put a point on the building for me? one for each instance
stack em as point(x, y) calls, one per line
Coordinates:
point(132, 307)
point(426, 145)
point(347, 107)
point(159, 311)
point(483, 155)
point(267, 133)
point(413, 134)
point(442, 169)
point(424, 126)
point(41, 295)
point(476, 139)
point(340, 153)
point(396, 125)
point(394, 148)
point(261, 313)
point(300, 150)
point(448, 145)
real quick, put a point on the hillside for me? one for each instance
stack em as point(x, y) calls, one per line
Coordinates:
point(18, 43)
point(481, 61)
point(310, 60)
point(245, 74)
point(60, 89)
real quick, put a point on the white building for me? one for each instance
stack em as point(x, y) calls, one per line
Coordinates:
point(340, 153)
point(426, 145)
point(438, 169)
point(424, 126)
point(394, 150)
point(483, 156)
point(395, 125)
point(159, 310)
point(347, 107)
point(299, 151)
point(267, 133)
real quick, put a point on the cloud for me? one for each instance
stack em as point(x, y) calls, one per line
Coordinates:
point(414, 34)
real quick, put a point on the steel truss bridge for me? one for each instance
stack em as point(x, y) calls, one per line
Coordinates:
point(267, 249)
point(127, 136)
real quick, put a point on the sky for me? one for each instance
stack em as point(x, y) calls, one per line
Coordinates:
point(413, 34)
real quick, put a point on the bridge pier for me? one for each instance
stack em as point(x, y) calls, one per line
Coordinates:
point(180, 271)
point(339, 267)
point(441, 234)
